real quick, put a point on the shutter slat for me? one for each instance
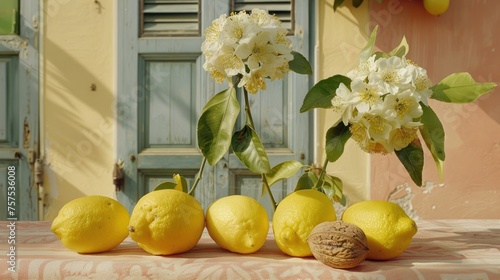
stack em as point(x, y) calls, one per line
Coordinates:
point(170, 17)
point(173, 19)
point(171, 8)
point(170, 28)
point(283, 9)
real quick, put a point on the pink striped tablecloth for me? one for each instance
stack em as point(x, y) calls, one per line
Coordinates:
point(442, 249)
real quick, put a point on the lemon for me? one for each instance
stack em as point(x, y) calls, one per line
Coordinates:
point(166, 222)
point(91, 224)
point(296, 216)
point(387, 227)
point(238, 223)
point(436, 7)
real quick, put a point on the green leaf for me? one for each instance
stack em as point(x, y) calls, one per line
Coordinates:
point(180, 184)
point(433, 134)
point(460, 88)
point(322, 93)
point(304, 182)
point(165, 186)
point(336, 137)
point(439, 165)
point(216, 123)
point(367, 51)
point(299, 64)
point(379, 54)
point(283, 171)
point(333, 189)
point(412, 158)
point(248, 148)
point(357, 3)
point(401, 50)
point(337, 4)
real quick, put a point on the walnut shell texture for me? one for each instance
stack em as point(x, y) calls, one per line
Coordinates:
point(338, 244)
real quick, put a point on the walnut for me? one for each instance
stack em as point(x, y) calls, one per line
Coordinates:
point(338, 244)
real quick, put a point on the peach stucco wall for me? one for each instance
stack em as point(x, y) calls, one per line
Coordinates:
point(465, 38)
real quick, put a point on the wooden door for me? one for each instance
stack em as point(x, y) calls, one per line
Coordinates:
point(162, 89)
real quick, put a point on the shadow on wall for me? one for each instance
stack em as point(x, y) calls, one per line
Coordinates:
point(78, 125)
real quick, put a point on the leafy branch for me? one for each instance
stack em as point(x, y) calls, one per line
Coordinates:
point(216, 135)
point(456, 88)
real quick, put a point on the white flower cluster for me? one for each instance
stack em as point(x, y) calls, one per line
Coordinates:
point(383, 104)
point(253, 46)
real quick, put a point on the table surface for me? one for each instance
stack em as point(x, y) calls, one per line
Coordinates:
point(442, 249)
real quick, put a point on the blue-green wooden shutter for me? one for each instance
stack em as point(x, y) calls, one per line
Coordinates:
point(161, 91)
point(19, 115)
point(170, 18)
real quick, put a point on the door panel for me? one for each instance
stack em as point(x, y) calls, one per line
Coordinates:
point(269, 111)
point(171, 102)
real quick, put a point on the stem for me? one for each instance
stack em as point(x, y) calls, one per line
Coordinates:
point(268, 189)
point(247, 109)
point(198, 176)
point(251, 124)
point(321, 176)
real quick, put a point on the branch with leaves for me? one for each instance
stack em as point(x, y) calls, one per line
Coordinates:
point(244, 49)
point(384, 107)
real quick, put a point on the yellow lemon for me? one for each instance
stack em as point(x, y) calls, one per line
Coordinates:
point(296, 216)
point(166, 222)
point(387, 227)
point(436, 7)
point(91, 224)
point(238, 223)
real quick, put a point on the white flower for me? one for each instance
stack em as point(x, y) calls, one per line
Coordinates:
point(359, 133)
point(342, 103)
point(264, 20)
point(212, 33)
point(252, 46)
point(378, 126)
point(257, 51)
point(364, 69)
point(366, 95)
point(383, 106)
point(421, 82)
point(403, 107)
point(403, 136)
point(391, 75)
point(253, 81)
